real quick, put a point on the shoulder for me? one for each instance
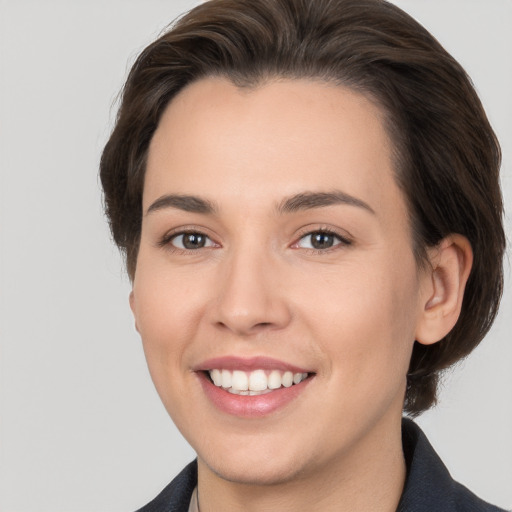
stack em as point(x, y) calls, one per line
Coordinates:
point(466, 501)
point(176, 496)
point(429, 485)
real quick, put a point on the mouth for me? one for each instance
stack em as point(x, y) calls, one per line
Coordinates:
point(254, 383)
point(251, 387)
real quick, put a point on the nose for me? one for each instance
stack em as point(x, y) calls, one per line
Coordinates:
point(251, 299)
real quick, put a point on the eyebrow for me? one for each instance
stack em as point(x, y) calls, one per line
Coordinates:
point(309, 200)
point(297, 202)
point(186, 203)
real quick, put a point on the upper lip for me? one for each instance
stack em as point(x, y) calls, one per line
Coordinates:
point(248, 364)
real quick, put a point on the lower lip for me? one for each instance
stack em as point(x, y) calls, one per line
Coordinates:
point(250, 406)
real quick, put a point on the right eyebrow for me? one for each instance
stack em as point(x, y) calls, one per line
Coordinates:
point(186, 203)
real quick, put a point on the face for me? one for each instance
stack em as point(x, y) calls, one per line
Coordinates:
point(276, 290)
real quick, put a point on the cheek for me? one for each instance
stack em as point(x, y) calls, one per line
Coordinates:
point(365, 321)
point(167, 307)
point(166, 325)
point(166, 299)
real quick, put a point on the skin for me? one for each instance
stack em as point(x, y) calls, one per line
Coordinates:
point(349, 313)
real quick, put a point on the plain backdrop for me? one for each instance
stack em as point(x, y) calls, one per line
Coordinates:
point(82, 428)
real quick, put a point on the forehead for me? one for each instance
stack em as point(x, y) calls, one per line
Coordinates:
point(220, 140)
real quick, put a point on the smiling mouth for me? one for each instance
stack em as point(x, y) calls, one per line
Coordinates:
point(257, 382)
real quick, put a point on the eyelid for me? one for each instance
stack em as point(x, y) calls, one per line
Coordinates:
point(166, 239)
point(173, 241)
point(345, 239)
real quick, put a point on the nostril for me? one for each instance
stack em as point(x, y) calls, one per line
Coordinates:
point(245, 329)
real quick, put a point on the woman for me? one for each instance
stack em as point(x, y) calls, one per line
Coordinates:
point(307, 196)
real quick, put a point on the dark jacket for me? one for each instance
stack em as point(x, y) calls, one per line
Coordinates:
point(428, 488)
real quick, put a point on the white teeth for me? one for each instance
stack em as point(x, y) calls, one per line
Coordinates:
point(248, 393)
point(257, 381)
point(254, 383)
point(226, 379)
point(287, 379)
point(274, 380)
point(240, 381)
point(216, 376)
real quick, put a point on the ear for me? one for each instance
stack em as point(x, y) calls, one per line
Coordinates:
point(450, 265)
point(133, 307)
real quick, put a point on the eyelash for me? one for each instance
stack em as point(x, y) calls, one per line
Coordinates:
point(342, 241)
point(168, 238)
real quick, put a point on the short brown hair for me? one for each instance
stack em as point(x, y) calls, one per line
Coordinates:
point(447, 155)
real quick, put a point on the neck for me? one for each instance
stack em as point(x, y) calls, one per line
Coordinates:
point(370, 478)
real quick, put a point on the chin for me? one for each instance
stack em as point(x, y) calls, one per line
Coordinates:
point(254, 458)
point(264, 471)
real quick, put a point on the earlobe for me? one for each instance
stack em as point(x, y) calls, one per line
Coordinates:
point(451, 263)
point(134, 309)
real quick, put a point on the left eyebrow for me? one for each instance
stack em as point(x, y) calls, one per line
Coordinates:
point(309, 200)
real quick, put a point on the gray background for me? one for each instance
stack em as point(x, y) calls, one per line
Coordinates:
point(81, 427)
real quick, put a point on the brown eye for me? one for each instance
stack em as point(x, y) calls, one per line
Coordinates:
point(321, 240)
point(191, 241)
